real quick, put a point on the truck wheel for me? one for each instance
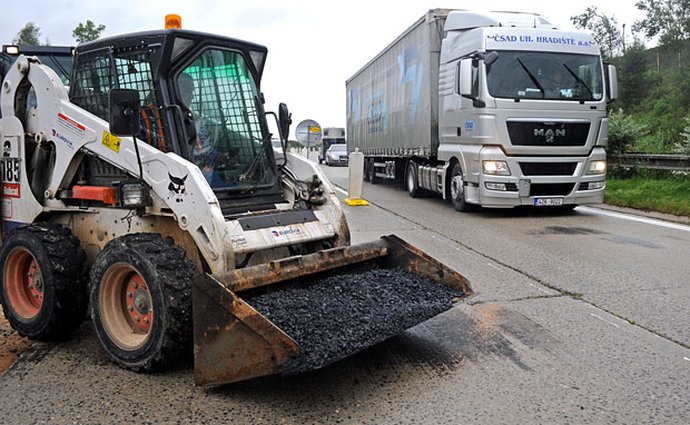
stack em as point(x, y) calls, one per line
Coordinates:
point(141, 302)
point(367, 177)
point(44, 292)
point(457, 190)
point(411, 180)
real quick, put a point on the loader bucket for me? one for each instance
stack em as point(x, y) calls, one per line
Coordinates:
point(304, 312)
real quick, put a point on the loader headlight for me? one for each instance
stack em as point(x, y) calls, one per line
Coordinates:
point(496, 168)
point(135, 195)
point(597, 167)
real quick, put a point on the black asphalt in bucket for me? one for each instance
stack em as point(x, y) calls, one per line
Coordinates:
point(335, 317)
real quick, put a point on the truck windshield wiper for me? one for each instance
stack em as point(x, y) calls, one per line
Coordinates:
point(532, 77)
point(579, 80)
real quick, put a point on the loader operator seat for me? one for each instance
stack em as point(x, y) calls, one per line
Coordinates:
point(204, 154)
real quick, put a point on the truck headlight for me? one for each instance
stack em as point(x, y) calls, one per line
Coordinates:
point(597, 167)
point(496, 168)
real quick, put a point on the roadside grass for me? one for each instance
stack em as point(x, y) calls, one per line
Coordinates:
point(670, 196)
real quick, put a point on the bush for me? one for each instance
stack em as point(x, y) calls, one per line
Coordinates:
point(683, 146)
point(624, 132)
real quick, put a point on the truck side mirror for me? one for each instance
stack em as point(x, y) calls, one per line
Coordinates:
point(464, 82)
point(124, 112)
point(612, 82)
point(284, 121)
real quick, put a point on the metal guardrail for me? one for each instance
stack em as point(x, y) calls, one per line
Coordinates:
point(651, 162)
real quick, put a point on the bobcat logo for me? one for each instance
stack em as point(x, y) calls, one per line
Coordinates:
point(176, 187)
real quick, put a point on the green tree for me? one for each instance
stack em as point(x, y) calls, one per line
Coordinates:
point(604, 29)
point(669, 19)
point(633, 78)
point(87, 32)
point(28, 35)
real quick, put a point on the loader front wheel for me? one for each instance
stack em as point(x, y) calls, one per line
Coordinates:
point(141, 301)
point(44, 292)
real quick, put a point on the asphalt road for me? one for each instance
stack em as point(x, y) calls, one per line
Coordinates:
point(579, 318)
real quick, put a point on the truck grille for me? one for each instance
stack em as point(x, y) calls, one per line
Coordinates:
point(547, 133)
point(551, 189)
point(548, 169)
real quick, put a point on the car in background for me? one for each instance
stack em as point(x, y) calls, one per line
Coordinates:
point(336, 154)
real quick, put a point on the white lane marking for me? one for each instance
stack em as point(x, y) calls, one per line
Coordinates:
point(686, 359)
point(344, 192)
point(602, 319)
point(630, 217)
point(496, 267)
point(540, 288)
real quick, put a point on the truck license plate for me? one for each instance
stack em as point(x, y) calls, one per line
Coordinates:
point(548, 202)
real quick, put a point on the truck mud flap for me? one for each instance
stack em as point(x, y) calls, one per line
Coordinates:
point(258, 320)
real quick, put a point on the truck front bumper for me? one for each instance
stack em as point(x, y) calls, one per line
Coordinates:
point(540, 181)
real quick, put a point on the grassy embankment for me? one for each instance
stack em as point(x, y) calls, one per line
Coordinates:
point(670, 196)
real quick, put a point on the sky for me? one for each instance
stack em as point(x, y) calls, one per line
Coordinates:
point(313, 46)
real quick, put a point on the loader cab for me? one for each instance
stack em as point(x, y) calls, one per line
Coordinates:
point(199, 98)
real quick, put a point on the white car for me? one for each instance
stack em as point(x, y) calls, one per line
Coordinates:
point(336, 154)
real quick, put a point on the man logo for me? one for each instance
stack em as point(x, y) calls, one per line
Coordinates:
point(549, 134)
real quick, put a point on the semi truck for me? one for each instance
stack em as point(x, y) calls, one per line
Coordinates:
point(498, 109)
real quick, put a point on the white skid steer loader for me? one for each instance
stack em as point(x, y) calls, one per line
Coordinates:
point(149, 196)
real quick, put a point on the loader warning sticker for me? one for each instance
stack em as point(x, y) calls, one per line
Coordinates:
point(71, 126)
point(11, 190)
point(111, 141)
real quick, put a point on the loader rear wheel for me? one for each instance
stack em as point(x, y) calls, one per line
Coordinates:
point(44, 294)
point(141, 302)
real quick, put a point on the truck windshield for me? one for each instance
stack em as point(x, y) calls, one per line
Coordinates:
point(230, 147)
point(545, 75)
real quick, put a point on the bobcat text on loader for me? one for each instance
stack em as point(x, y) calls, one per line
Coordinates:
point(150, 196)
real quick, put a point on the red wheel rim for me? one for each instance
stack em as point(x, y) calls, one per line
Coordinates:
point(24, 283)
point(125, 306)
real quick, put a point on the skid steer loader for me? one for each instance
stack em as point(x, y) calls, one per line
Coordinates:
point(150, 196)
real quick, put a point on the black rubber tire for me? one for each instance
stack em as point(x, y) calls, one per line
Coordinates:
point(457, 195)
point(411, 180)
point(53, 257)
point(367, 177)
point(167, 275)
point(372, 173)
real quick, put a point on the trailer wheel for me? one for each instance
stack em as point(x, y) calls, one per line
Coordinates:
point(367, 177)
point(141, 301)
point(44, 294)
point(457, 190)
point(411, 180)
point(372, 173)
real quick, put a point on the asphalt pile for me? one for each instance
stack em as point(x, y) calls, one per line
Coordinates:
point(341, 315)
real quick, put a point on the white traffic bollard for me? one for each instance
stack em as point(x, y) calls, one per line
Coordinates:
point(355, 180)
